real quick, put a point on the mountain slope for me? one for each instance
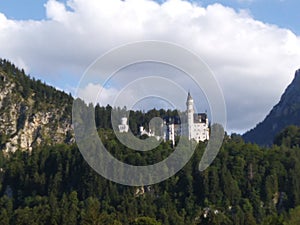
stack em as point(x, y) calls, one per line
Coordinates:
point(285, 113)
point(32, 113)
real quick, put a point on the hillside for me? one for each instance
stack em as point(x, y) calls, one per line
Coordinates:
point(285, 113)
point(32, 113)
point(53, 184)
point(245, 185)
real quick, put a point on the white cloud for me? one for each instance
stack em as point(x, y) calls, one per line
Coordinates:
point(92, 93)
point(56, 11)
point(253, 61)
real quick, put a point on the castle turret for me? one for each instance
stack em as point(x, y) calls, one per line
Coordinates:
point(123, 127)
point(190, 103)
point(190, 115)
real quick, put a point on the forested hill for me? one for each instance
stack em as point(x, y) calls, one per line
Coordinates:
point(31, 111)
point(34, 113)
point(285, 113)
point(245, 185)
point(52, 184)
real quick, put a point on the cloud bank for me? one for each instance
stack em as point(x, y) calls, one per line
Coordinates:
point(252, 61)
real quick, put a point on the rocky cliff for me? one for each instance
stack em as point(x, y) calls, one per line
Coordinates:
point(285, 113)
point(31, 113)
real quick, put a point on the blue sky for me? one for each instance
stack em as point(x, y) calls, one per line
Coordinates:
point(252, 46)
point(284, 13)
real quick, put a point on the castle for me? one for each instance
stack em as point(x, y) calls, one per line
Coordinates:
point(123, 127)
point(195, 126)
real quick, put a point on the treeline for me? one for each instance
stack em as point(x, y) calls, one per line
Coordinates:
point(41, 94)
point(136, 118)
point(245, 185)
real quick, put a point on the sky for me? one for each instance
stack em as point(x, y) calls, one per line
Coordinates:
point(252, 46)
point(283, 13)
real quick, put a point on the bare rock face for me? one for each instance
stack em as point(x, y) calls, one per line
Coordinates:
point(285, 113)
point(33, 119)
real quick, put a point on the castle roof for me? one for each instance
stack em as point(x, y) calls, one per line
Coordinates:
point(200, 117)
point(172, 119)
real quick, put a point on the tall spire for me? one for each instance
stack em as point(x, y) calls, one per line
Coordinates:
point(189, 96)
point(190, 103)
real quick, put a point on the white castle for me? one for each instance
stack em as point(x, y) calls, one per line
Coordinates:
point(195, 126)
point(123, 127)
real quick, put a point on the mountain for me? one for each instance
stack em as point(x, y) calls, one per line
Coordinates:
point(32, 113)
point(285, 113)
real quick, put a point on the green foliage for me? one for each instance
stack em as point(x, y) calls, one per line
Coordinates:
point(137, 118)
point(145, 221)
point(91, 212)
point(289, 137)
point(294, 217)
point(244, 185)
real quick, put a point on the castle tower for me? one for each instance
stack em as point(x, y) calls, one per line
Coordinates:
point(190, 115)
point(123, 127)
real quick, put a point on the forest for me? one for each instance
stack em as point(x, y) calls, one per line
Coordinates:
point(52, 184)
point(245, 185)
